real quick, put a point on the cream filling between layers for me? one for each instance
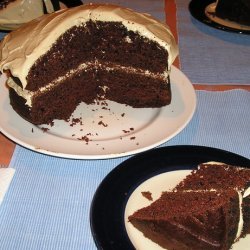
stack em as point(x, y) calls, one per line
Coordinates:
point(242, 195)
point(28, 95)
point(241, 221)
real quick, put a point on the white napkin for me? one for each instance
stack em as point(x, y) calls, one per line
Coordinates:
point(6, 175)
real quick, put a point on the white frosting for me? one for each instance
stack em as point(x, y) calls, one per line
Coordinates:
point(27, 95)
point(214, 163)
point(22, 11)
point(218, 163)
point(241, 222)
point(21, 48)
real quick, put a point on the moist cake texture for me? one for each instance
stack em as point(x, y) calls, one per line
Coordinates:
point(220, 176)
point(209, 209)
point(191, 220)
point(85, 53)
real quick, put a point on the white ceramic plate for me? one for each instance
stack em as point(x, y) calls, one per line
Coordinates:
point(105, 130)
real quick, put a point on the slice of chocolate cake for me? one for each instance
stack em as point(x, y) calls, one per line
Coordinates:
point(81, 54)
point(191, 220)
point(220, 176)
point(232, 10)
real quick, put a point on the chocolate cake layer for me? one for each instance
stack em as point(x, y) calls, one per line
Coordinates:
point(115, 85)
point(191, 220)
point(102, 41)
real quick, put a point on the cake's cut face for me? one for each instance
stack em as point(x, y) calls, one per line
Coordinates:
point(232, 10)
point(84, 53)
point(191, 220)
point(220, 176)
point(14, 13)
point(209, 209)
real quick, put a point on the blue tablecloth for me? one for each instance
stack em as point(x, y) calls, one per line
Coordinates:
point(48, 203)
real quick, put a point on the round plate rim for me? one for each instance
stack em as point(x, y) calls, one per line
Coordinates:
point(201, 16)
point(109, 201)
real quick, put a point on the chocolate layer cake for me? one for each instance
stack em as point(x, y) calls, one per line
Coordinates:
point(14, 13)
point(191, 220)
point(220, 176)
point(209, 209)
point(85, 53)
point(232, 10)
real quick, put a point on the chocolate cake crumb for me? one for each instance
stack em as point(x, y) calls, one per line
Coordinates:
point(132, 138)
point(104, 103)
point(74, 121)
point(126, 131)
point(45, 129)
point(51, 124)
point(123, 114)
point(105, 108)
point(84, 138)
point(147, 195)
point(102, 123)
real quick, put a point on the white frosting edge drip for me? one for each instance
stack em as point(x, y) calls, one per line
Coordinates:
point(27, 95)
point(241, 221)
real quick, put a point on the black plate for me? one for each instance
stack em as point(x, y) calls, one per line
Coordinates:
point(197, 10)
point(108, 205)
